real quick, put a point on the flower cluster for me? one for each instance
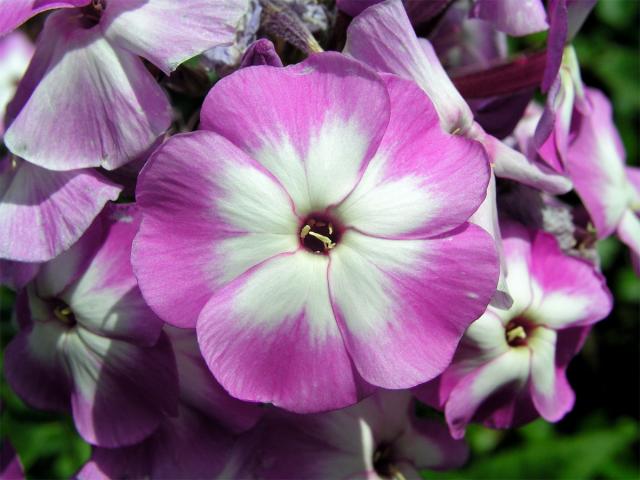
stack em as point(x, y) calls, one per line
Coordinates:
point(233, 263)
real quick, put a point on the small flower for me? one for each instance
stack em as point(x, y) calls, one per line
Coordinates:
point(510, 366)
point(379, 438)
point(315, 234)
point(89, 343)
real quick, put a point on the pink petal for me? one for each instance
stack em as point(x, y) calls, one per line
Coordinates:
point(596, 165)
point(428, 444)
point(83, 102)
point(35, 368)
point(629, 231)
point(314, 125)
point(16, 51)
point(401, 322)
point(61, 204)
point(121, 392)
point(16, 12)
point(514, 17)
point(568, 291)
point(510, 369)
point(205, 222)
point(383, 38)
point(271, 336)
point(199, 389)
point(105, 298)
point(167, 32)
point(417, 170)
point(551, 393)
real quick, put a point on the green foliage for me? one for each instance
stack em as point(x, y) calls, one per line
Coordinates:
point(538, 451)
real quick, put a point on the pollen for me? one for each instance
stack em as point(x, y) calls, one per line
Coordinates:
point(517, 333)
point(318, 236)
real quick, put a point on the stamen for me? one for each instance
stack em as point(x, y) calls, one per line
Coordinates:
point(319, 235)
point(305, 231)
point(516, 333)
point(326, 240)
point(64, 314)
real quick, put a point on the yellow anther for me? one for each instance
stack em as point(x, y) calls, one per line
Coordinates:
point(63, 314)
point(330, 229)
point(328, 244)
point(517, 332)
point(305, 231)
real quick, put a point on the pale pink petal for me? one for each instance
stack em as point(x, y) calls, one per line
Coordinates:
point(271, 336)
point(596, 165)
point(16, 275)
point(508, 370)
point(567, 291)
point(43, 212)
point(411, 187)
point(121, 392)
point(106, 299)
point(16, 12)
point(314, 125)
point(167, 32)
point(84, 103)
point(209, 213)
point(383, 38)
point(401, 321)
point(514, 17)
point(551, 393)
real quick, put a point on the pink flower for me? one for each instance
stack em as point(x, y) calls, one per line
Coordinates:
point(314, 233)
point(87, 99)
point(89, 343)
point(510, 366)
point(378, 438)
point(15, 54)
point(198, 442)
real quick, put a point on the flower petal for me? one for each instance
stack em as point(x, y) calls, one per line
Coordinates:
point(428, 444)
point(417, 171)
point(84, 103)
point(629, 231)
point(106, 299)
point(551, 393)
point(568, 291)
point(383, 38)
point(43, 212)
point(34, 366)
point(514, 17)
point(121, 391)
point(595, 163)
point(508, 370)
point(209, 213)
point(314, 125)
point(199, 389)
point(400, 320)
point(167, 32)
point(16, 51)
point(271, 336)
point(16, 12)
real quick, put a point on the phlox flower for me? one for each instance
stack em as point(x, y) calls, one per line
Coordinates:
point(383, 38)
point(42, 212)
point(510, 365)
point(576, 135)
point(88, 342)
point(314, 232)
point(378, 438)
point(198, 442)
point(87, 99)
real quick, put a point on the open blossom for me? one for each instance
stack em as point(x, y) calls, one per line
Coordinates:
point(89, 343)
point(87, 99)
point(316, 238)
point(510, 366)
point(378, 438)
point(198, 442)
